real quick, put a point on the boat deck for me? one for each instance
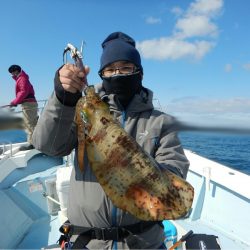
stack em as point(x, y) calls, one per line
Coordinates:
point(32, 221)
point(202, 227)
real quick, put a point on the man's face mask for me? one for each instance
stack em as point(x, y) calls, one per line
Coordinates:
point(123, 86)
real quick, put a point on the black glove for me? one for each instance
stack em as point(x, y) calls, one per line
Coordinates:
point(13, 105)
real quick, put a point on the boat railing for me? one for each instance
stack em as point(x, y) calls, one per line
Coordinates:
point(6, 146)
point(8, 149)
point(157, 104)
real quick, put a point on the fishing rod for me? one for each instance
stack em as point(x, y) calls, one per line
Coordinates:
point(181, 240)
point(185, 127)
point(14, 106)
point(12, 119)
point(9, 105)
point(9, 122)
point(76, 55)
point(6, 106)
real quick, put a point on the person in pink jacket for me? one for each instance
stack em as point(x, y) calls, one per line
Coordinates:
point(25, 96)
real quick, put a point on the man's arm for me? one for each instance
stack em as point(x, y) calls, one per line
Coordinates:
point(55, 132)
point(170, 155)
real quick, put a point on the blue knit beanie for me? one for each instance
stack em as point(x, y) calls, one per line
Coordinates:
point(119, 47)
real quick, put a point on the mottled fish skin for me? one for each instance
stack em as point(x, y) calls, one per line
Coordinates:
point(128, 175)
point(80, 134)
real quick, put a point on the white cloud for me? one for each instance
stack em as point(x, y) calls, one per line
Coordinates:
point(247, 66)
point(153, 20)
point(177, 11)
point(192, 26)
point(205, 7)
point(211, 106)
point(193, 35)
point(173, 48)
point(232, 112)
point(228, 67)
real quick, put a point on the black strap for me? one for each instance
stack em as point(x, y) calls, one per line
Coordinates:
point(81, 242)
point(85, 234)
point(142, 226)
point(112, 233)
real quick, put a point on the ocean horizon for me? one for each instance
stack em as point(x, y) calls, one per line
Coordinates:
point(231, 150)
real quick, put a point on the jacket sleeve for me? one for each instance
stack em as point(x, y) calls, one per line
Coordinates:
point(169, 152)
point(55, 132)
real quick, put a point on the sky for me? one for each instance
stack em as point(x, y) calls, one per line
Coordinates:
point(195, 54)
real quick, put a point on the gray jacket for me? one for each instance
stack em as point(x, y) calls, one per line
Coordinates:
point(55, 134)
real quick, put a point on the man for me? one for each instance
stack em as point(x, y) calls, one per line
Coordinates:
point(25, 95)
point(130, 103)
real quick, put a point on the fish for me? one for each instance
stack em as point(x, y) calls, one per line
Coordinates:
point(128, 175)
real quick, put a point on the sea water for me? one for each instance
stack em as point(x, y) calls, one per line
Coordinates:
point(12, 136)
point(232, 150)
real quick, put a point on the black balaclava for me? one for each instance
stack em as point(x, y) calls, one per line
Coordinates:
point(123, 86)
point(121, 47)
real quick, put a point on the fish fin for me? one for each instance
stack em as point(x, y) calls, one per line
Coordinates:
point(184, 188)
point(81, 138)
point(80, 155)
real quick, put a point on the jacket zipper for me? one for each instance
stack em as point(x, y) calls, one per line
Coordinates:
point(114, 209)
